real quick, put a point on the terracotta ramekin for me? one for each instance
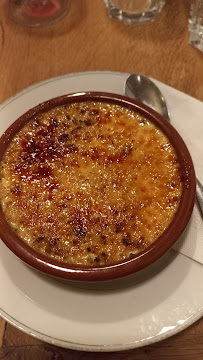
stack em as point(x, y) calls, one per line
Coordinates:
point(146, 257)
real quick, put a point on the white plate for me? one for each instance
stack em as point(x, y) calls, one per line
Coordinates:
point(149, 306)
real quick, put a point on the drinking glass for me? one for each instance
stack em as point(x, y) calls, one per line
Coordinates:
point(196, 24)
point(134, 11)
point(37, 12)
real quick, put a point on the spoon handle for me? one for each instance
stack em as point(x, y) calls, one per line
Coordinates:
point(199, 195)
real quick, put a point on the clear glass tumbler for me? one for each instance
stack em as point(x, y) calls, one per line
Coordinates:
point(37, 12)
point(134, 11)
point(196, 24)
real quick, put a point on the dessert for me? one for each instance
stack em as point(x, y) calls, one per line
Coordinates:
point(90, 183)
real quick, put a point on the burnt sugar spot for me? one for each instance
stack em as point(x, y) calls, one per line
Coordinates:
point(126, 239)
point(54, 122)
point(54, 241)
point(119, 226)
point(88, 122)
point(71, 148)
point(63, 138)
point(16, 190)
point(80, 232)
point(120, 156)
point(42, 171)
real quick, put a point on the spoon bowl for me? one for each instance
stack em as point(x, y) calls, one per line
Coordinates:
point(141, 88)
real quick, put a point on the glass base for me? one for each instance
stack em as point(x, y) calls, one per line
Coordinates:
point(196, 40)
point(195, 25)
point(36, 13)
point(132, 19)
point(134, 12)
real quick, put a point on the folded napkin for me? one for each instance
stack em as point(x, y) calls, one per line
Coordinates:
point(191, 241)
point(186, 116)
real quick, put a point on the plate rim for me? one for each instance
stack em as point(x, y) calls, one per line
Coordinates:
point(56, 78)
point(100, 348)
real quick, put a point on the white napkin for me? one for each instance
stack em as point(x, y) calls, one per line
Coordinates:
point(191, 241)
point(187, 117)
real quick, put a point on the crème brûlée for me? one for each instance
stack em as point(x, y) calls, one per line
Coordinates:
point(90, 183)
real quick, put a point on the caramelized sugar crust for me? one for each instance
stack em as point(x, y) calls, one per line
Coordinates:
point(90, 183)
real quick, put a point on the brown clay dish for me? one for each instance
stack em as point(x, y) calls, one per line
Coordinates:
point(148, 255)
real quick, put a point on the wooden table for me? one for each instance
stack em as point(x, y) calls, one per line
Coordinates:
point(86, 39)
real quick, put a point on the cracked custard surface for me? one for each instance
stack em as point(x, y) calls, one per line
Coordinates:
point(90, 183)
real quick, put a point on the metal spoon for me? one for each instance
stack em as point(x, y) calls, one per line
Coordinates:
point(141, 88)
